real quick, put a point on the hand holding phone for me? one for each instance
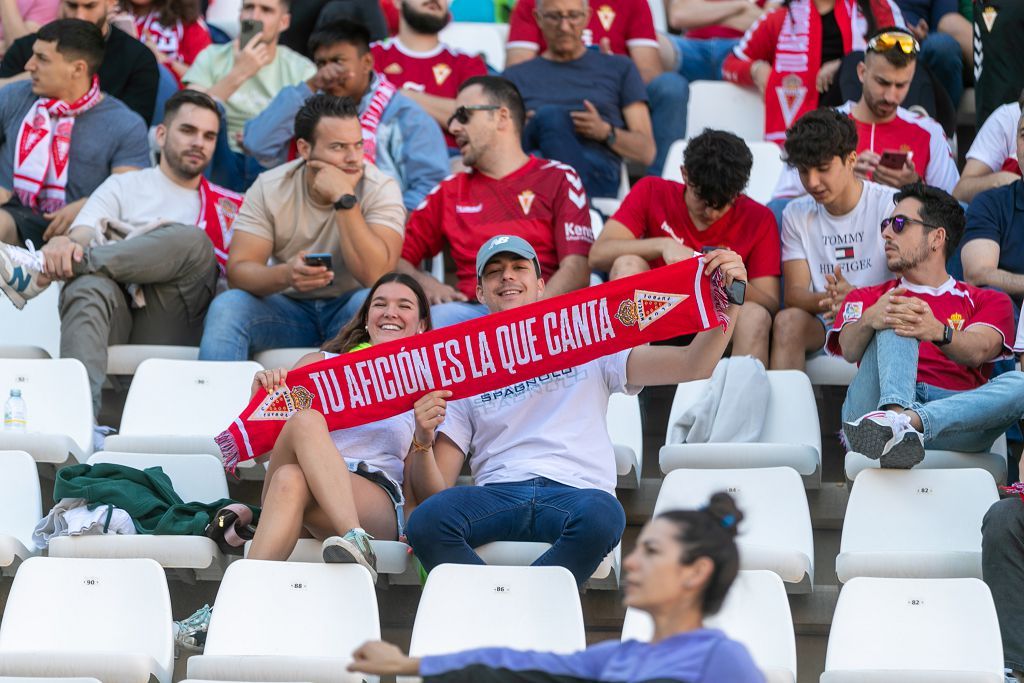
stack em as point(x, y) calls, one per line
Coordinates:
point(250, 28)
point(320, 259)
point(894, 159)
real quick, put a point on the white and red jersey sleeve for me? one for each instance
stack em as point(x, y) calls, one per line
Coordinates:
point(996, 142)
point(852, 310)
point(424, 234)
point(570, 210)
point(758, 44)
point(523, 32)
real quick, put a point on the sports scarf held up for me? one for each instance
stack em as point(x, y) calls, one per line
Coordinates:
point(218, 208)
point(43, 149)
point(485, 354)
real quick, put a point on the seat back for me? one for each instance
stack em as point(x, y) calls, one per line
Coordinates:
point(196, 477)
point(57, 397)
point(764, 173)
point(38, 324)
point(725, 106)
point(20, 500)
point(486, 40)
point(625, 426)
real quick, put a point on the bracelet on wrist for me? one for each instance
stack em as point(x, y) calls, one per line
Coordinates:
point(421, 447)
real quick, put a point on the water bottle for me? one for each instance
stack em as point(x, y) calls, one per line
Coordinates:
point(15, 412)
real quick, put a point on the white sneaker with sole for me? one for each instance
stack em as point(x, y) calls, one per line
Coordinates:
point(19, 273)
point(353, 547)
point(886, 436)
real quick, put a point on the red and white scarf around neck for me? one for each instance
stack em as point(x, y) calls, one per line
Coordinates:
point(370, 118)
point(217, 210)
point(42, 154)
point(166, 38)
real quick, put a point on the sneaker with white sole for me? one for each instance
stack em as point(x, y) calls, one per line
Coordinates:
point(355, 547)
point(190, 633)
point(19, 273)
point(886, 436)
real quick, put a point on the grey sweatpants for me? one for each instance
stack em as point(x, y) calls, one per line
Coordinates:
point(177, 271)
point(1002, 566)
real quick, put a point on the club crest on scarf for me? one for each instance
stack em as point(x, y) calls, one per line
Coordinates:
point(282, 403)
point(647, 307)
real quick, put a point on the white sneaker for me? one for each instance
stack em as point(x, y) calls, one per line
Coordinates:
point(353, 547)
point(19, 273)
point(886, 436)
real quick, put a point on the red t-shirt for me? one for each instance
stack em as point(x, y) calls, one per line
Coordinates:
point(626, 23)
point(439, 72)
point(655, 208)
point(717, 30)
point(543, 202)
point(956, 304)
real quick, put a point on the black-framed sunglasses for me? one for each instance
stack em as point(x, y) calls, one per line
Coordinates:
point(463, 113)
point(898, 223)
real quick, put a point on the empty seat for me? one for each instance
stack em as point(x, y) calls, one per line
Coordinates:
point(828, 370)
point(914, 631)
point(525, 553)
point(993, 462)
point(196, 477)
point(125, 359)
point(775, 533)
point(756, 613)
point(310, 617)
point(725, 106)
point(486, 40)
point(38, 324)
point(281, 358)
point(104, 619)
point(791, 435)
point(626, 430)
point(915, 524)
point(20, 508)
point(5, 679)
point(23, 352)
point(764, 173)
point(59, 407)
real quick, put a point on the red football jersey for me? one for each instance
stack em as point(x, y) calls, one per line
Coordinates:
point(438, 72)
point(543, 202)
point(626, 24)
point(956, 304)
point(655, 208)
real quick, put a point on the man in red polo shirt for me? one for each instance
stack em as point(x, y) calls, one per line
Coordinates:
point(505, 191)
point(662, 221)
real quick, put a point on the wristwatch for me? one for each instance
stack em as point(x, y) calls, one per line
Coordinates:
point(610, 140)
point(347, 201)
point(947, 336)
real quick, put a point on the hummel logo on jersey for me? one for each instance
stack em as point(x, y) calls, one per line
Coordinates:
point(526, 198)
point(472, 208)
point(578, 198)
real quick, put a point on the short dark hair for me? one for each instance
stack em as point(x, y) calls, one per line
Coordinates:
point(188, 96)
point(818, 136)
point(717, 166)
point(76, 39)
point(710, 532)
point(937, 208)
point(340, 31)
point(502, 92)
point(317, 107)
point(898, 58)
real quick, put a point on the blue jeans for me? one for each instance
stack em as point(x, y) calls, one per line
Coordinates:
point(582, 525)
point(240, 324)
point(701, 60)
point(668, 96)
point(942, 54)
point(968, 421)
point(551, 134)
point(455, 312)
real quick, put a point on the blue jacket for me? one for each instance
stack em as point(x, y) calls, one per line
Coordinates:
point(410, 146)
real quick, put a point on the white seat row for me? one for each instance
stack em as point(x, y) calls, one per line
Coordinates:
point(764, 173)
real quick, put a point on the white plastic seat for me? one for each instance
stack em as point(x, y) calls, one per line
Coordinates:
point(596, 226)
point(915, 524)
point(914, 631)
point(525, 553)
point(775, 533)
point(104, 619)
point(38, 324)
point(486, 40)
point(224, 15)
point(826, 370)
point(756, 613)
point(993, 462)
point(23, 351)
point(310, 618)
point(791, 436)
point(20, 508)
point(282, 358)
point(6, 679)
point(626, 430)
point(392, 556)
point(725, 106)
point(59, 408)
point(609, 205)
point(124, 359)
point(196, 477)
point(764, 173)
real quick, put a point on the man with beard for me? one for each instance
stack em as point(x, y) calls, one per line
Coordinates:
point(925, 344)
point(427, 71)
point(398, 136)
point(128, 71)
point(155, 287)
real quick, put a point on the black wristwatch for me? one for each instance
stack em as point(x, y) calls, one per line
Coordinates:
point(947, 336)
point(610, 140)
point(347, 201)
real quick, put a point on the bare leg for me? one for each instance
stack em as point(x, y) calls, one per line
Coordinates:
point(795, 333)
point(753, 330)
point(8, 231)
point(627, 265)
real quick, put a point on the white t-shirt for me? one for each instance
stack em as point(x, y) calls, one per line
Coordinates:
point(997, 140)
point(554, 426)
point(853, 241)
point(139, 198)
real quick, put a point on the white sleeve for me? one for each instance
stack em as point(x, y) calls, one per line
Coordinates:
point(104, 202)
point(792, 243)
point(996, 141)
point(941, 171)
point(457, 424)
point(1018, 345)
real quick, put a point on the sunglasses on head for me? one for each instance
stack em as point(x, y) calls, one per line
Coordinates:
point(463, 113)
point(898, 223)
point(891, 40)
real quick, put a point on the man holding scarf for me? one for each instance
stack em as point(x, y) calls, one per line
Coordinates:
point(60, 137)
point(399, 137)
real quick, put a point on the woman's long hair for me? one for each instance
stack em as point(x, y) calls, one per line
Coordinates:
point(355, 333)
point(169, 12)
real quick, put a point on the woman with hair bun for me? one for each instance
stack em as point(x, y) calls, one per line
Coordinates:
point(679, 572)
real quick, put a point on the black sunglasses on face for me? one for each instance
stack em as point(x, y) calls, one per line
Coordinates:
point(898, 223)
point(463, 113)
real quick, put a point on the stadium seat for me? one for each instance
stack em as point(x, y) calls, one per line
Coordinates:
point(392, 558)
point(993, 462)
point(20, 508)
point(627, 432)
point(659, 15)
point(524, 553)
point(914, 631)
point(609, 205)
point(826, 370)
point(915, 524)
point(103, 619)
point(197, 477)
point(486, 40)
point(791, 436)
point(59, 407)
point(23, 351)
point(6, 679)
point(725, 106)
point(756, 613)
point(596, 223)
point(38, 324)
point(124, 359)
point(775, 533)
point(310, 618)
point(282, 358)
point(224, 14)
point(764, 174)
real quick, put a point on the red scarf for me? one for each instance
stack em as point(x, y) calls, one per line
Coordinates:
point(485, 354)
point(217, 210)
point(42, 153)
point(166, 38)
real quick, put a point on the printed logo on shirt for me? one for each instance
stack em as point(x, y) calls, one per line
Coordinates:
point(844, 253)
point(647, 307)
point(956, 321)
point(393, 68)
point(441, 72)
point(606, 15)
point(470, 208)
point(526, 198)
point(852, 311)
point(418, 87)
point(791, 96)
point(989, 14)
point(521, 391)
point(665, 227)
point(575, 232)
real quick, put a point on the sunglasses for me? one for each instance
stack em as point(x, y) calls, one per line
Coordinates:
point(463, 113)
point(898, 223)
point(891, 40)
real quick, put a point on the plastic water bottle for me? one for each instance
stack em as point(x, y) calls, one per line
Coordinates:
point(15, 412)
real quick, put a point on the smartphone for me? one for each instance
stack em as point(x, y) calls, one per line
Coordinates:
point(250, 28)
point(708, 249)
point(324, 260)
point(894, 159)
